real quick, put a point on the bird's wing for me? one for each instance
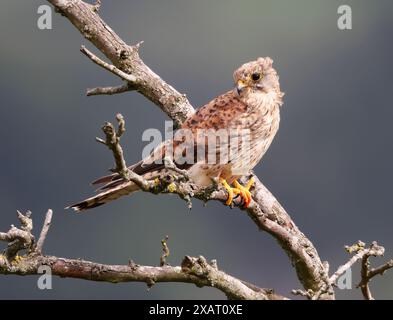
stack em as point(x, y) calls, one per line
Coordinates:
point(220, 113)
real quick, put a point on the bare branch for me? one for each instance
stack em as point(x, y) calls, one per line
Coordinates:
point(381, 269)
point(127, 77)
point(367, 273)
point(125, 58)
point(362, 253)
point(192, 270)
point(298, 292)
point(44, 231)
point(170, 165)
point(18, 239)
point(165, 253)
point(109, 90)
point(112, 141)
point(359, 249)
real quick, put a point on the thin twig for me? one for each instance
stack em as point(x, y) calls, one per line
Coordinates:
point(367, 273)
point(381, 269)
point(109, 90)
point(360, 250)
point(362, 253)
point(44, 231)
point(18, 239)
point(165, 250)
point(302, 293)
point(107, 66)
point(112, 141)
point(170, 165)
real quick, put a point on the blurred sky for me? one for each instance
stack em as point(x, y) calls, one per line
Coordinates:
point(330, 164)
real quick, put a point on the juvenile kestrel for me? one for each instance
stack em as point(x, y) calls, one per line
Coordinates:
point(249, 117)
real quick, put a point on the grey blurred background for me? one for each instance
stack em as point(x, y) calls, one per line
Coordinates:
point(330, 165)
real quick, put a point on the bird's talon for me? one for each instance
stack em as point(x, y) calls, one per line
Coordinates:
point(230, 191)
point(238, 190)
point(245, 191)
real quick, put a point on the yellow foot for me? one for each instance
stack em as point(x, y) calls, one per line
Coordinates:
point(229, 189)
point(243, 191)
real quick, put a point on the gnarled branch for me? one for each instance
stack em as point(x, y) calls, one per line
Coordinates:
point(192, 270)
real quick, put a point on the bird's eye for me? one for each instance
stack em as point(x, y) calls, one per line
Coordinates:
point(255, 76)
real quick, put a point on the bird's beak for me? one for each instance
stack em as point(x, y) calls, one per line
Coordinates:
point(240, 85)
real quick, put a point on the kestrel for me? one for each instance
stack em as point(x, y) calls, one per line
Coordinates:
point(247, 117)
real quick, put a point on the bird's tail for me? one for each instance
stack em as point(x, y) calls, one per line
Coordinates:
point(107, 195)
point(114, 186)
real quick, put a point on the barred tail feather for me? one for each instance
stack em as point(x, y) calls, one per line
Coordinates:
point(104, 197)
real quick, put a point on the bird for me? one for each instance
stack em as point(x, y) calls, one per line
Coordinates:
point(247, 117)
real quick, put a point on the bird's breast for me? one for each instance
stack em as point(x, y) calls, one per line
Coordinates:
point(262, 124)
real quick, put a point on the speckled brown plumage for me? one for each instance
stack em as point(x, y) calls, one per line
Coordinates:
point(251, 109)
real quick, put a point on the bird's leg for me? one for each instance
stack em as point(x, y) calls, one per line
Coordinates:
point(243, 191)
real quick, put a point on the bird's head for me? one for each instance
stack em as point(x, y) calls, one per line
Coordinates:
point(257, 76)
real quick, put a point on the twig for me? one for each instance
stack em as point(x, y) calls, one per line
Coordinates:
point(381, 269)
point(112, 141)
point(18, 239)
point(109, 90)
point(368, 273)
point(44, 231)
point(109, 67)
point(97, 5)
point(360, 250)
point(302, 293)
point(165, 250)
point(362, 253)
point(170, 165)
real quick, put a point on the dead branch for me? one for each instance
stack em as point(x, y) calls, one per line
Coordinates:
point(18, 239)
point(165, 251)
point(111, 68)
point(125, 58)
point(44, 231)
point(367, 273)
point(109, 90)
point(192, 270)
point(112, 141)
point(362, 253)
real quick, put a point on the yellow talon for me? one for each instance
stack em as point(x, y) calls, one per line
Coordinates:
point(243, 191)
point(250, 183)
point(229, 189)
